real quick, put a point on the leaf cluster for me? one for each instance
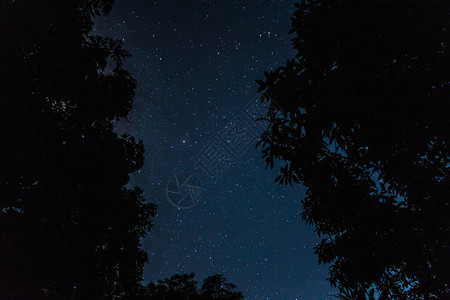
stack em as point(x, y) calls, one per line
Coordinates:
point(364, 123)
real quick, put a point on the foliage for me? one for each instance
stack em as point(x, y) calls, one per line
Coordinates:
point(361, 117)
point(70, 227)
point(184, 286)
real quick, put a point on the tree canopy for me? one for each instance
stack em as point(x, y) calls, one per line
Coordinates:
point(70, 226)
point(185, 286)
point(361, 117)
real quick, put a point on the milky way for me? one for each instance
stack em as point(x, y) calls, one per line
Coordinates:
point(196, 63)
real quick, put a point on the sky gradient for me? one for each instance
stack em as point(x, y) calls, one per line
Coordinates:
point(196, 63)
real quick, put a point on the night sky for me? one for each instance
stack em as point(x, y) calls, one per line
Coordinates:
point(196, 62)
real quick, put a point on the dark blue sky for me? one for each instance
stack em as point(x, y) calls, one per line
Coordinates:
point(196, 63)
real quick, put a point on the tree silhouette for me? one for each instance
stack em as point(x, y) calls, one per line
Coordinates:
point(70, 228)
point(184, 286)
point(361, 117)
point(217, 287)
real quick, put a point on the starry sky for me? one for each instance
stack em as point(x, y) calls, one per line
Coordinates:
point(196, 63)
